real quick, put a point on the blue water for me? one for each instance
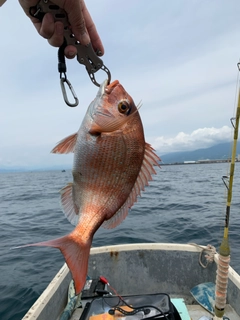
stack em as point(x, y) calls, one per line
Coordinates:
point(184, 203)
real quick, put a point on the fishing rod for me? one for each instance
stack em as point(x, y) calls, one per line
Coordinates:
point(224, 250)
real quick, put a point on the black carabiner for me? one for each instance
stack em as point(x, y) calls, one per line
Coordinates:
point(63, 77)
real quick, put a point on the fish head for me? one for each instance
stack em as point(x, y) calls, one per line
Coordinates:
point(112, 108)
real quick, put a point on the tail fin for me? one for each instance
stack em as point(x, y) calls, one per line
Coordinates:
point(76, 254)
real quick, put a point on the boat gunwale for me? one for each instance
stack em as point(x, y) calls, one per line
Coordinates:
point(50, 290)
point(232, 274)
point(47, 294)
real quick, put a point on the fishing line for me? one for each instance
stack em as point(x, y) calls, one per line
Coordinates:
point(236, 92)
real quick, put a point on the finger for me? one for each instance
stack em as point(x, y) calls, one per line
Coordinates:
point(92, 31)
point(26, 4)
point(70, 52)
point(85, 31)
point(56, 40)
point(76, 20)
point(2, 2)
point(47, 27)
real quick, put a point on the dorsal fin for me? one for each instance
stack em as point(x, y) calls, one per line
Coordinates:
point(150, 159)
point(66, 145)
point(70, 209)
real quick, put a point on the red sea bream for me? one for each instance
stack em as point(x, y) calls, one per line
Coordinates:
point(112, 164)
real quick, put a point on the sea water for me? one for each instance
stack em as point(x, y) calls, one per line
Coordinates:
point(184, 203)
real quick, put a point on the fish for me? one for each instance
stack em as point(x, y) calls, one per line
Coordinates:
point(112, 165)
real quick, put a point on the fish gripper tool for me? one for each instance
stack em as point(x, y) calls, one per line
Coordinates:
point(85, 54)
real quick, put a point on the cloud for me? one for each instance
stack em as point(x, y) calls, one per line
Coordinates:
point(200, 138)
point(182, 70)
point(39, 156)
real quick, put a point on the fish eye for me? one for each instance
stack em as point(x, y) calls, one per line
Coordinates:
point(124, 107)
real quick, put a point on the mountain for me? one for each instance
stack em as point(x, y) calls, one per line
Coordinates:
point(222, 151)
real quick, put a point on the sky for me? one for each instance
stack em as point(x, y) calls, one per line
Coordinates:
point(179, 58)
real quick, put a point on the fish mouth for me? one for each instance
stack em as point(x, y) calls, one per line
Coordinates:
point(103, 87)
point(100, 113)
point(97, 109)
point(107, 88)
point(111, 86)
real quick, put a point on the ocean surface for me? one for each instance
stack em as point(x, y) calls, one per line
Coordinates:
point(184, 203)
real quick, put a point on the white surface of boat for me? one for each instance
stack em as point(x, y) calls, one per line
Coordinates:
point(135, 269)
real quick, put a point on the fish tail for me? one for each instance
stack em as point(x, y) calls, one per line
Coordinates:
point(76, 254)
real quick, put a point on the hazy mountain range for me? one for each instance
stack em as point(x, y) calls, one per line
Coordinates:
point(218, 152)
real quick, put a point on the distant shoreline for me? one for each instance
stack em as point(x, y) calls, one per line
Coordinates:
point(198, 162)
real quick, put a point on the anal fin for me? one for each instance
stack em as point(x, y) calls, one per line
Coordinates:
point(70, 209)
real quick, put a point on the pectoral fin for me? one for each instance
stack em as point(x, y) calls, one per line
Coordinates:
point(66, 145)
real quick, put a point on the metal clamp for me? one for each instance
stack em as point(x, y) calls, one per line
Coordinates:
point(85, 54)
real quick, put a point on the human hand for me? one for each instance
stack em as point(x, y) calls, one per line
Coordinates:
point(80, 19)
point(2, 2)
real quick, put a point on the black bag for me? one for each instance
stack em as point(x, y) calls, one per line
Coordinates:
point(149, 306)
